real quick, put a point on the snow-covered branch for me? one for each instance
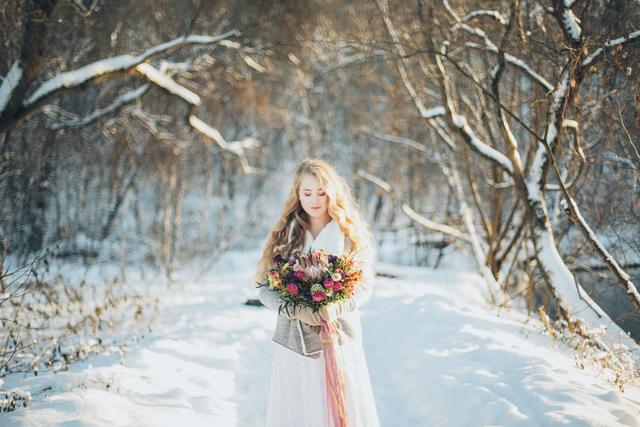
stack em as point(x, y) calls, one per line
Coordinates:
point(28, 61)
point(413, 215)
point(607, 45)
point(154, 75)
point(449, 9)
point(160, 78)
point(116, 64)
point(242, 51)
point(505, 127)
point(379, 182)
point(509, 58)
point(490, 46)
point(485, 150)
point(392, 138)
point(235, 147)
point(568, 21)
point(491, 13)
point(9, 83)
point(442, 228)
point(609, 260)
point(121, 100)
point(433, 112)
point(534, 181)
point(163, 80)
point(440, 127)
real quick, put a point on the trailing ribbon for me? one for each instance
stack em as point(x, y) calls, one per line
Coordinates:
point(333, 375)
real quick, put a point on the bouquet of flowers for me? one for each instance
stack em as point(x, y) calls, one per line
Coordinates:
point(314, 278)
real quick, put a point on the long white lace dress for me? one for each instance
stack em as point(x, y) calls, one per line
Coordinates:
point(297, 392)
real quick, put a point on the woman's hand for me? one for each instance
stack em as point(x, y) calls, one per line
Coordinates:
point(307, 315)
point(329, 312)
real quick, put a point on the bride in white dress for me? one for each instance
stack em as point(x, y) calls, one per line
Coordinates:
point(298, 390)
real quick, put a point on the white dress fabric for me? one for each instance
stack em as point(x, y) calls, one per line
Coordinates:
point(298, 391)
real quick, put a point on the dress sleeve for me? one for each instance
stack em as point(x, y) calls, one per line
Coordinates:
point(269, 298)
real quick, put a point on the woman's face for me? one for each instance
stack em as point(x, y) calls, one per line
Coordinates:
point(313, 199)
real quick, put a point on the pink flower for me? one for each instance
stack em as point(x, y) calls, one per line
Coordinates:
point(328, 283)
point(292, 288)
point(337, 286)
point(318, 296)
point(299, 274)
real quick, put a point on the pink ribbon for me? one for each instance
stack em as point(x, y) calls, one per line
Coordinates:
point(334, 377)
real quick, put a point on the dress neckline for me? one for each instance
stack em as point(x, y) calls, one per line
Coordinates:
point(313, 239)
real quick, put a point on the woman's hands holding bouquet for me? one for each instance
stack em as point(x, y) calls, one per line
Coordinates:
point(310, 317)
point(329, 312)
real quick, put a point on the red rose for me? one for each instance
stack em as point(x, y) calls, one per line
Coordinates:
point(292, 288)
point(318, 296)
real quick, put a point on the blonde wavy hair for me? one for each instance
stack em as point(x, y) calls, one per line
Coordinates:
point(288, 234)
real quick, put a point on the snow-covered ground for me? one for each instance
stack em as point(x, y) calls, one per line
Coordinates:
point(436, 354)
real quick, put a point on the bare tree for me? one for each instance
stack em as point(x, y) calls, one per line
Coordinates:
point(472, 72)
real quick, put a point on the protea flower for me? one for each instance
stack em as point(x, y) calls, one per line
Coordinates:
point(314, 264)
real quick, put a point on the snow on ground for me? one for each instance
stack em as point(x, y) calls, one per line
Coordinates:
point(437, 356)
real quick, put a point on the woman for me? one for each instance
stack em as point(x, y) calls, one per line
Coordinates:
point(319, 213)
